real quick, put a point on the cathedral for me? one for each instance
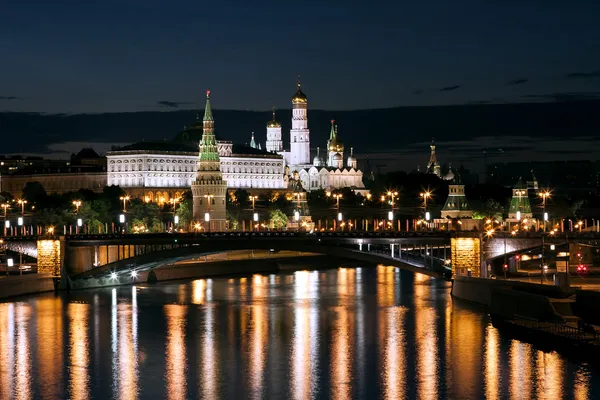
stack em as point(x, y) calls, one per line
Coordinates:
point(325, 171)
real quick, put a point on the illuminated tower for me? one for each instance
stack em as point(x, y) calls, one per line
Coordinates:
point(335, 148)
point(209, 189)
point(274, 142)
point(520, 208)
point(456, 205)
point(299, 134)
point(432, 166)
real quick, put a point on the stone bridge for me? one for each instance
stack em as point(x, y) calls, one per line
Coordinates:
point(84, 256)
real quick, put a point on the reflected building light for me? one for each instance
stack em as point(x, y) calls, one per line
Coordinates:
point(258, 343)
point(114, 324)
point(581, 387)
point(271, 279)
point(79, 351)
point(176, 351)
point(360, 344)
point(492, 363)
point(392, 337)
point(342, 357)
point(198, 291)
point(304, 350)
point(23, 359)
point(520, 370)
point(208, 357)
point(427, 339)
point(96, 312)
point(128, 369)
point(209, 290)
point(7, 349)
point(551, 373)
point(50, 346)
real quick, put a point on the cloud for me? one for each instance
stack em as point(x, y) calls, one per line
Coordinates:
point(9, 98)
point(583, 75)
point(564, 96)
point(172, 104)
point(449, 88)
point(517, 82)
point(417, 92)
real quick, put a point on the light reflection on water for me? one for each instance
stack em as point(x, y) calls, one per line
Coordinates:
point(340, 334)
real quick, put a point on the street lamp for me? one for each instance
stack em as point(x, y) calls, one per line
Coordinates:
point(124, 199)
point(22, 203)
point(77, 204)
point(544, 195)
point(425, 195)
point(5, 206)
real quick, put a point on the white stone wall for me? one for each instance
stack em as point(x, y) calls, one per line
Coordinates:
point(299, 136)
point(178, 170)
point(274, 141)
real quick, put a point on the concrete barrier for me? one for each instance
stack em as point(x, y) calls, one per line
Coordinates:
point(587, 306)
point(27, 284)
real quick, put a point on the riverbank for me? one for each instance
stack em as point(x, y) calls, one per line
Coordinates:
point(14, 286)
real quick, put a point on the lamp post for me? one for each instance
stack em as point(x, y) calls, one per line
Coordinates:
point(337, 197)
point(124, 199)
point(425, 195)
point(5, 207)
point(77, 204)
point(544, 195)
point(393, 195)
point(254, 215)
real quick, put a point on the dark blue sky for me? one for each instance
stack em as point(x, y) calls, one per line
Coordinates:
point(128, 55)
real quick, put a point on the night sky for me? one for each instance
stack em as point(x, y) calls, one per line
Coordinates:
point(143, 55)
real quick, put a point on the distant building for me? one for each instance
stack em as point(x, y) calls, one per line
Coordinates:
point(456, 206)
point(565, 176)
point(520, 206)
point(433, 166)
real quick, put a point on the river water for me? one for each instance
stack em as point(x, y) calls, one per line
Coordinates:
point(360, 333)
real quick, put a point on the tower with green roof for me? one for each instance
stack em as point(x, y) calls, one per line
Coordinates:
point(520, 207)
point(456, 205)
point(209, 189)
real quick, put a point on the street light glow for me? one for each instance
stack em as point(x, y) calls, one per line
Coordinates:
point(113, 275)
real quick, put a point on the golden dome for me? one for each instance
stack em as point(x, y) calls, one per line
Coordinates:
point(299, 97)
point(273, 123)
point(335, 144)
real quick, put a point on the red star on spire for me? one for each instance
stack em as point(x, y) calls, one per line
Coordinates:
point(332, 121)
point(208, 93)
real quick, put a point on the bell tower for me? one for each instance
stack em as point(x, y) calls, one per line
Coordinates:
point(299, 134)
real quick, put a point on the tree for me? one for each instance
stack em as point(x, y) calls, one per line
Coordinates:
point(34, 192)
point(576, 207)
point(233, 221)
point(5, 197)
point(112, 194)
point(185, 212)
point(146, 215)
point(278, 219)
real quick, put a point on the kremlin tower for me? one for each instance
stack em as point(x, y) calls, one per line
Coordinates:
point(274, 142)
point(209, 188)
point(299, 134)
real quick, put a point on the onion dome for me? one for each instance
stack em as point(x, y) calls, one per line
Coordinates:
point(318, 161)
point(351, 162)
point(299, 97)
point(337, 158)
point(449, 175)
point(334, 144)
point(273, 123)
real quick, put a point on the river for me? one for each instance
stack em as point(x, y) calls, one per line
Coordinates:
point(356, 333)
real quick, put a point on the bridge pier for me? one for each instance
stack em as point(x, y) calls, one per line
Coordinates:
point(392, 249)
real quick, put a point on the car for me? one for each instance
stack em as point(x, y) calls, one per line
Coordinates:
point(581, 269)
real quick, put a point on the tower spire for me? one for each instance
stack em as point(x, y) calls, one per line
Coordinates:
point(332, 133)
point(299, 85)
point(274, 113)
point(207, 109)
point(252, 141)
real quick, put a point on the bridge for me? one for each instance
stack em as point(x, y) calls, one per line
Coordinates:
point(99, 258)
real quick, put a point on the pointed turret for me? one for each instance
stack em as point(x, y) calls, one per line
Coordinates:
point(520, 207)
point(335, 148)
point(209, 189)
point(432, 166)
point(456, 205)
point(352, 162)
point(252, 142)
point(207, 109)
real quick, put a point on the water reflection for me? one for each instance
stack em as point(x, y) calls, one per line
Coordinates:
point(175, 353)
point(304, 348)
point(426, 337)
point(79, 350)
point(341, 334)
point(49, 344)
point(7, 348)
